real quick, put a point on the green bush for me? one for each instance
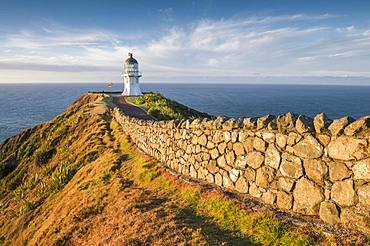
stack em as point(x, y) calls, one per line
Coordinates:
point(44, 154)
point(61, 177)
point(163, 108)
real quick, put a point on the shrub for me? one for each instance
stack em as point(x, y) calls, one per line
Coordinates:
point(44, 154)
point(61, 177)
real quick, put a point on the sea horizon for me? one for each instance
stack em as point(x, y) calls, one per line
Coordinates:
point(33, 103)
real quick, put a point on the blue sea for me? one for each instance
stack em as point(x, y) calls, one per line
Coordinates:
point(25, 105)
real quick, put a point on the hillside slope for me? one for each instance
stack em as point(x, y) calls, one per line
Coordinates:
point(78, 180)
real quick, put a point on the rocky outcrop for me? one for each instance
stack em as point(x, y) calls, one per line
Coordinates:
point(309, 166)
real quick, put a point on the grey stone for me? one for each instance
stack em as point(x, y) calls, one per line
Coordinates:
point(234, 174)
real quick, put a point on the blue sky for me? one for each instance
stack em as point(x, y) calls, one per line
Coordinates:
point(186, 41)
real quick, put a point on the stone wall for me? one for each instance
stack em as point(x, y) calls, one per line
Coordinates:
point(308, 166)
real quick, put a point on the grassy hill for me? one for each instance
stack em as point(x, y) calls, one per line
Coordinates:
point(79, 180)
point(163, 108)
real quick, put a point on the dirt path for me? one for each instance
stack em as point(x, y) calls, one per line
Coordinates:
point(129, 109)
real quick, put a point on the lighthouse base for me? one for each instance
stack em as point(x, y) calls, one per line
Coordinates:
point(132, 90)
point(131, 86)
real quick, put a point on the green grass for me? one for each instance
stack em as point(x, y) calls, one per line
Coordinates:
point(44, 154)
point(215, 216)
point(164, 109)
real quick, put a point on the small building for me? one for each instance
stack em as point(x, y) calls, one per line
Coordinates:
point(131, 75)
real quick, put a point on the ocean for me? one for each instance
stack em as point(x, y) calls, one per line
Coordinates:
point(25, 105)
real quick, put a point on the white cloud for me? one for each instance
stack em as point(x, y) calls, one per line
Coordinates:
point(262, 46)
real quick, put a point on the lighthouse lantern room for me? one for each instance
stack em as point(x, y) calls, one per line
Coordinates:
point(131, 77)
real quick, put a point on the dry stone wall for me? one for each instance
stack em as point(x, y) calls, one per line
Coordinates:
point(308, 166)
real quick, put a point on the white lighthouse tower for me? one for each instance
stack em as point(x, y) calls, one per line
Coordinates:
point(131, 77)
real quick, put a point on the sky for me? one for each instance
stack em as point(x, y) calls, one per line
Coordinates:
point(271, 41)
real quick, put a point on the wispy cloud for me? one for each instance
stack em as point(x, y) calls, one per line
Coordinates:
point(262, 46)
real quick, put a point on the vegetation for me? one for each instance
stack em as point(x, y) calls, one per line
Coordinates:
point(164, 109)
point(215, 218)
point(96, 188)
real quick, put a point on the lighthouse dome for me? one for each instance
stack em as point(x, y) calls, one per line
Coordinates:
point(130, 59)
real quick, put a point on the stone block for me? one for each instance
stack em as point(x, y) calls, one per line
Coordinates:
point(347, 148)
point(272, 156)
point(264, 176)
point(285, 184)
point(338, 171)
point(307, 197)
point(269, 197)
point(359, 125)
point(343, 193)
point(241, 185)
point(281, 140)
point(315, 170)
point(291, 166)
point(361, 170)
point(284, 200)
point(364, 194)
point(259, 144)
point(329, 213)
point(337, 126)
point(309, 148)
point(238, 148)
point(255, 159)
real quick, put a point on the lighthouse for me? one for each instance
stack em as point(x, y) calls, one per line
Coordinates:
point(131, 77)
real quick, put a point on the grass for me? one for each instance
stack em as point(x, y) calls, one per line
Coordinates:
point(44, 154)
point(96, 182)
point(214, 214)
point(164, 109)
